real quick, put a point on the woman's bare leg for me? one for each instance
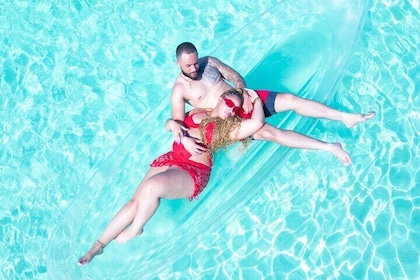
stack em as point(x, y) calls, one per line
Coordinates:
point(171, 184)
point(119, 222)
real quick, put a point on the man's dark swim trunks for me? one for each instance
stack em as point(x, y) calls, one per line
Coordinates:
point(268, 98)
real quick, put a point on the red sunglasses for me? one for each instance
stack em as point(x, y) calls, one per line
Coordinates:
point(231, 104)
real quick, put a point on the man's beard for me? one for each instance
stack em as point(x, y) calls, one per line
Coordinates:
point(188, 76)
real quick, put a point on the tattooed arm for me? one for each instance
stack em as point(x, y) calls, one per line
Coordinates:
point(229, 74)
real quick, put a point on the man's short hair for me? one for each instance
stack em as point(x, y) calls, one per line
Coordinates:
point(185, 47)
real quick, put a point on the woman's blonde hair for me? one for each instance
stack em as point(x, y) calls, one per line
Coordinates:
point(222, 128)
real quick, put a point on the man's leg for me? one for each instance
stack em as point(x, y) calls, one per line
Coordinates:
point(310, 108)
point(294, 139)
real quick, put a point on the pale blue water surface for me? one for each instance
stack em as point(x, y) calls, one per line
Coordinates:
point(84, 95)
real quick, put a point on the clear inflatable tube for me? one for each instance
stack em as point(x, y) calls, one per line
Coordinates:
point(302, 53)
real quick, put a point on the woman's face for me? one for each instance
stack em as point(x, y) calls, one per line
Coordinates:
point(228, 106)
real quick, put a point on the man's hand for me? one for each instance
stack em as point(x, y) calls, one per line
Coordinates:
point(193, 145)
point(177, 128)
point(180, 132)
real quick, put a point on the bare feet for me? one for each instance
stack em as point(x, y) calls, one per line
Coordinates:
point(127, 235)
point(96, 249)
point(351, 120)
point(337, 150)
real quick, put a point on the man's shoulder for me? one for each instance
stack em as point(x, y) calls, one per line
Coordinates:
point(208, 62)
point(179, 87)
point(207, 58)
point(181, 90)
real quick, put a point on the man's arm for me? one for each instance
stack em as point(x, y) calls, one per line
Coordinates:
point(227, 72)
point(231, 75)
point(178, 112)
point(178, 103)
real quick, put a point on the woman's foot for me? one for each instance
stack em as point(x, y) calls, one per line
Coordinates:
point(96, 249)
point(351, 120)
point(127, 235)
point(337, 150)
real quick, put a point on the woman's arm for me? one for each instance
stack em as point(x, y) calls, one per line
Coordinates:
point(250, 126)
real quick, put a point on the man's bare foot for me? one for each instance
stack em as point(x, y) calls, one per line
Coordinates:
point(351, 120)
point(337, 150)
point(127, 235)
point(96, 250)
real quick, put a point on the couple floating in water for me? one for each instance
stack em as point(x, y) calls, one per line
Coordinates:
point(179, 174)
point(236, 114)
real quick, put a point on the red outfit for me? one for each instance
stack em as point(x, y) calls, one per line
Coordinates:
point(180, 157)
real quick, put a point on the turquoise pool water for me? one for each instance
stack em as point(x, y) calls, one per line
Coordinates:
point(76, 79)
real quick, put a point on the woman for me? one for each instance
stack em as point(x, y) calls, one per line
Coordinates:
point(179, 174)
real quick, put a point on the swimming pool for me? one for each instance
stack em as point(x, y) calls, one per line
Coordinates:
point(76, 79)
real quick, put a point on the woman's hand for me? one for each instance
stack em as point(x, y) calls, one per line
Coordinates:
point(247, 105)
point(252, 94)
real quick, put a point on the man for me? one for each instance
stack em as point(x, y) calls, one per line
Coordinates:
point(203, 80)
